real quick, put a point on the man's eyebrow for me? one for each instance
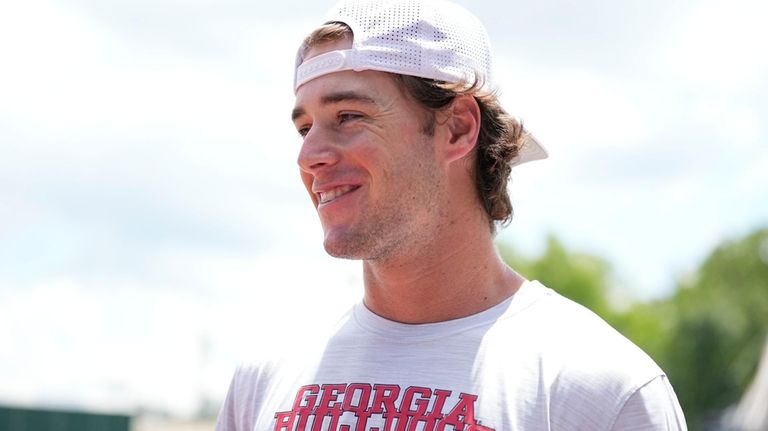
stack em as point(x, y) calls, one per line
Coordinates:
point(341, 96)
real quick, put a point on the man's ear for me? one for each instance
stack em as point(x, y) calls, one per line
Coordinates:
point(463, 127)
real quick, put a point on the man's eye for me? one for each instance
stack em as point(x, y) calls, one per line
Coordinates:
point(347, 116)
point(303, 131)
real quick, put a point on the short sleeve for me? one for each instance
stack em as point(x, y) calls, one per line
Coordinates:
point(238, 411)
point(227, 419)
point(653, 407)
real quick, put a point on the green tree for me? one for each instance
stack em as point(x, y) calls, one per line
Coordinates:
point(721, 321)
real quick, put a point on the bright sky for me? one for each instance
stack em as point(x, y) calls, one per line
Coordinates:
point(153, 228)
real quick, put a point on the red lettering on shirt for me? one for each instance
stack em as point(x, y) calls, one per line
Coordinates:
point(340, 407)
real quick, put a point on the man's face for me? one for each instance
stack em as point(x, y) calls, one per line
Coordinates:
point(369, 169)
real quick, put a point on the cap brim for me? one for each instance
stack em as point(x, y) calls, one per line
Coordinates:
point(530, 150)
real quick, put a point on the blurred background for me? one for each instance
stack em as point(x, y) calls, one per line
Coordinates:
point(154, 232)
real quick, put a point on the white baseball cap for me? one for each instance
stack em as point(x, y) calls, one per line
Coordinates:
point(433, 39)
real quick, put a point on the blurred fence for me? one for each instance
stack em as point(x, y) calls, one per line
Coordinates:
point(26, 419)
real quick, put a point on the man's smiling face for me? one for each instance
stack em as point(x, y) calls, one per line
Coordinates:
point(367, 164)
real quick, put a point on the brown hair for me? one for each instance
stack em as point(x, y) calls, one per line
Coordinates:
point(499, 140)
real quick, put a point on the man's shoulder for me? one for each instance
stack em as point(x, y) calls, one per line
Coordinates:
point(574, 332)
point(587, 364)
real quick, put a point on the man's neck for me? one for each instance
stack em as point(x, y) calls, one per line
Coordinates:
point(454, 277)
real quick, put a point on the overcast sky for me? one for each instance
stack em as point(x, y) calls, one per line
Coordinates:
point(153, 228)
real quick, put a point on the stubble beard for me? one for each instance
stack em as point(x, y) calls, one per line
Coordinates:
point(387, 233)
point(376, 239)
point(399, 228)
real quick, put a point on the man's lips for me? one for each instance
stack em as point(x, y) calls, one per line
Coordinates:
point(329, 195)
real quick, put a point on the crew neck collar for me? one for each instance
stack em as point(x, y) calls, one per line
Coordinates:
point(529, 292)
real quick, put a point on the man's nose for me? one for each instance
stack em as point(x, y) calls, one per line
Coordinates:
point(317, 151)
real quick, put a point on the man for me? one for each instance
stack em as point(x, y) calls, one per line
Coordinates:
point(406, 154)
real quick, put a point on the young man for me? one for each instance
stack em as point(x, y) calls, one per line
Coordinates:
point(406, 156)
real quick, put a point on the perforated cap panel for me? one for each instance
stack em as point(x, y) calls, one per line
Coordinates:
point(427, 38)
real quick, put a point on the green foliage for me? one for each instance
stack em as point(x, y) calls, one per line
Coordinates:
point(708, 337)
point(721, 325)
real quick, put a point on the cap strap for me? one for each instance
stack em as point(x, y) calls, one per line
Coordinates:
point(322, 64)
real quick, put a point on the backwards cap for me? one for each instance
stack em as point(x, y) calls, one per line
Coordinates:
point(431, 39)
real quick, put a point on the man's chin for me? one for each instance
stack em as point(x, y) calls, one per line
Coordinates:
point(345, 246)
point(340, 251)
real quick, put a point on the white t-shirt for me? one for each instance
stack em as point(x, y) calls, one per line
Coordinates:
point(536, 361)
